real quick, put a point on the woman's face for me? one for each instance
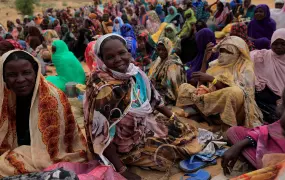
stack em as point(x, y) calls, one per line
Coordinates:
point(141, 43)
point(171, 11)
point(116, 21)
point(259, 14)
point(116, 56)
point(64, 30)
point(20, 77)
point(246, 3)
point(220, 6)
point(162, 51)
point(278, 47)
point(279, 5)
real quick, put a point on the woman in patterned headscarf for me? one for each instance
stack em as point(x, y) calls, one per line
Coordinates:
point(167, 71)
point(153, 22)
point(120, 124)
point(240, 30)
point(37, 126)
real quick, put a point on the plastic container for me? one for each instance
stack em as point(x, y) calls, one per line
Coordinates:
point(70, 89)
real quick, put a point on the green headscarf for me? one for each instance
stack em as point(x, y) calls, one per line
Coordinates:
point(170, 17)
point(172, 36)
point(68, 68)
point(186, 29)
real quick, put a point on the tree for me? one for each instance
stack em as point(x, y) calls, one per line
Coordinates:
point(26, 7)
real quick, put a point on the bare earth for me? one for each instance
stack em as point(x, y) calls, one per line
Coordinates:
point(8, 12)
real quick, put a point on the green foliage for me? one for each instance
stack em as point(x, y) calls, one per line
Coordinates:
point(64, 3)
point(26, 7)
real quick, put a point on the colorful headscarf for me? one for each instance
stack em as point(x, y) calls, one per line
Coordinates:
point(269, 67)
point(16, 44)
point(201, 13)
point(117, 27)
point(160, 12)
point(100, 66)
point(262, 28)
point(128, 33)
point(172, 36)
point(90, 56)
point(203, 37)
point(153, 22)
point(167, 44)
point(240, 29)
point(170, 17)
point(55, 135)
point(186, 29)
point(159, 33)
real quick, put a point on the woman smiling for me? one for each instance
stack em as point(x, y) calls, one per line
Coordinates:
point(33, 115)
point(119, 115)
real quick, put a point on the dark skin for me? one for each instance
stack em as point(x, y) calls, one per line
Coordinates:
point(259, 14)
point(162, 51)
point(246, 3)
point(278, 46)
point(202, 76)
point(20, 77)
point(117, 58)
point(232, 154)
point(279, 5)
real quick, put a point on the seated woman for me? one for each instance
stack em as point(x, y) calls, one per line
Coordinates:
point(68, 37)
point(220, 17)
point(145, 52)
point(190, 19)
point(269, 68)
point(174, 17)
point(262, 24)
point(171, 33)
point(246, 10)
point(118, 23)
point(119, 120)
point(239, 29)
point(278, 14)
point(32, 43)
point(205, 38)
point(107, 24)
point(153, 22)
point(202, 12)
point(230, 87)
point(128, 33)
point(253, 144)
point(167, 72)
point(38, 128)
point(68, 68)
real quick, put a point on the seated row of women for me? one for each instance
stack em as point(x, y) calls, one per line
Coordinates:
point(121, 124)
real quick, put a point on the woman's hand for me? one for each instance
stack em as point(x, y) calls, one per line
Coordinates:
point(208, 51)
point(231, 156)
point(131, 176)
point(202, 77)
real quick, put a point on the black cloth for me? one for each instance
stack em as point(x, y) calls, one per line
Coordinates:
point(188, 49)
point(266, 101)
point(22, 121)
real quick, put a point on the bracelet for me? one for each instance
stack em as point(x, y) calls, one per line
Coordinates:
point(214, 81)
point(122, 169)
point(172, 116)
point(252, 141)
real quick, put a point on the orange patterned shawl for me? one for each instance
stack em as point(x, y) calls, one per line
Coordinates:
point(55, 135)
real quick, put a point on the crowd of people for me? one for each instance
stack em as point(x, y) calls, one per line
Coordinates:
point(223, 63)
